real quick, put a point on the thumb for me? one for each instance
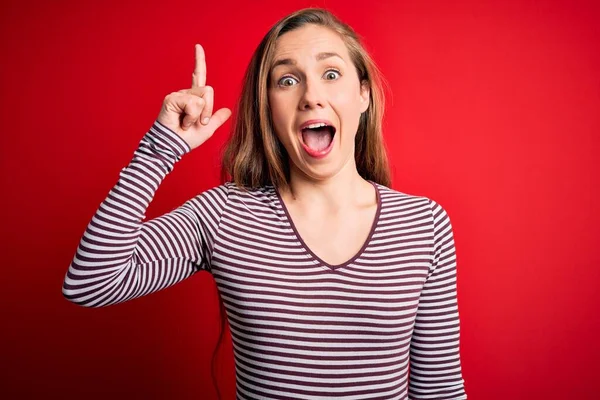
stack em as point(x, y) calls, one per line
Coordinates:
point(217, 119)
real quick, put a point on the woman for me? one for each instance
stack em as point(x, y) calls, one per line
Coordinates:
point(333, 283)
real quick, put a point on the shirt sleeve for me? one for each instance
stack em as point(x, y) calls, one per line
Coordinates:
point(119, 257)
point(435, 367)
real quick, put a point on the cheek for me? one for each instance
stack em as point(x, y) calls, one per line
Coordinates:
point(278, 108)
point(347, 101)
point(347, 106)
point(275, 111)
point(280, 118)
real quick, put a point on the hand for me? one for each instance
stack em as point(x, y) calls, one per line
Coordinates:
point(188, 112)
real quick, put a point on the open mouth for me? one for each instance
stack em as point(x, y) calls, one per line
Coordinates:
point(318, 136)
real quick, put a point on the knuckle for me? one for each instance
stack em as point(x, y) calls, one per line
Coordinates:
point(172, 97)
point(196, 107)
point(191, 109)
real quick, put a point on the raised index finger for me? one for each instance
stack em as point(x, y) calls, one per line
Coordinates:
point(199, 75)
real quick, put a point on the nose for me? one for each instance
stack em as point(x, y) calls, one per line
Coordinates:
point(312, 96)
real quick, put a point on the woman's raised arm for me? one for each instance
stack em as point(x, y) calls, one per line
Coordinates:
point(120, 257)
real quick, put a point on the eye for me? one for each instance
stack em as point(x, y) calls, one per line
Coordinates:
point(332, 74)
point(286, 81)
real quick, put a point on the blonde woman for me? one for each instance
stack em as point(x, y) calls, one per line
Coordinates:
point(334, 285)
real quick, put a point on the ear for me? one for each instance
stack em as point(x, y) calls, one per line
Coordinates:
point(365, 92)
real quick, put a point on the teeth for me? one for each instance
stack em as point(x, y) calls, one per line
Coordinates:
point(317, 125)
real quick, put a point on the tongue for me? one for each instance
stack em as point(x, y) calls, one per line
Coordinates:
point(317, 139)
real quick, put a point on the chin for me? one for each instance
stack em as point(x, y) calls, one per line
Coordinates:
point(321, 169)
point(321, 172)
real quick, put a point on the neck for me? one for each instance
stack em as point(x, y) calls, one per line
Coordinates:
point(344, 190)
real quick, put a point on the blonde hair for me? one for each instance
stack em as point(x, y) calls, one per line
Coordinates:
point(255, 157)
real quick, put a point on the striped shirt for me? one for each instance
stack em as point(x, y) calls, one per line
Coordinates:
point(383, 325)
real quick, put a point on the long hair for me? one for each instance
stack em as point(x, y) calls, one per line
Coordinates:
point(255, 157)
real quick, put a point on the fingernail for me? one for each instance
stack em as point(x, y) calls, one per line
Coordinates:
point(205, 120)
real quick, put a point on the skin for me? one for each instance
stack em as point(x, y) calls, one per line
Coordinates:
point(188, 112)
point(332, 206)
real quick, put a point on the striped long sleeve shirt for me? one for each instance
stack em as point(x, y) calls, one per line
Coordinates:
point(383, 325)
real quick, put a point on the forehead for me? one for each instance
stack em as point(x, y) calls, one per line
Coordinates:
point(309, 40)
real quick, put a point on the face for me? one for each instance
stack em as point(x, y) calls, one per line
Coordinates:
point(316, 101)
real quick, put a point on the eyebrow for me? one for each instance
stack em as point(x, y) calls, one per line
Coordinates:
point(321, 56)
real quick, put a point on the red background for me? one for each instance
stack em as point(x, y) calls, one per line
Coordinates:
point(494, 114)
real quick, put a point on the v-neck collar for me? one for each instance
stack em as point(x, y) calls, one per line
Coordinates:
point(316, 257)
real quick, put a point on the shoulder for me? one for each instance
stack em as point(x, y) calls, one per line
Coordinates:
point(229, 192)
point(228, 197)
point(243, 194)
point(215, 197)
point(393, 199)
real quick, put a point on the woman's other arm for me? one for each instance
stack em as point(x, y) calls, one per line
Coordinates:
point(435, 368)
